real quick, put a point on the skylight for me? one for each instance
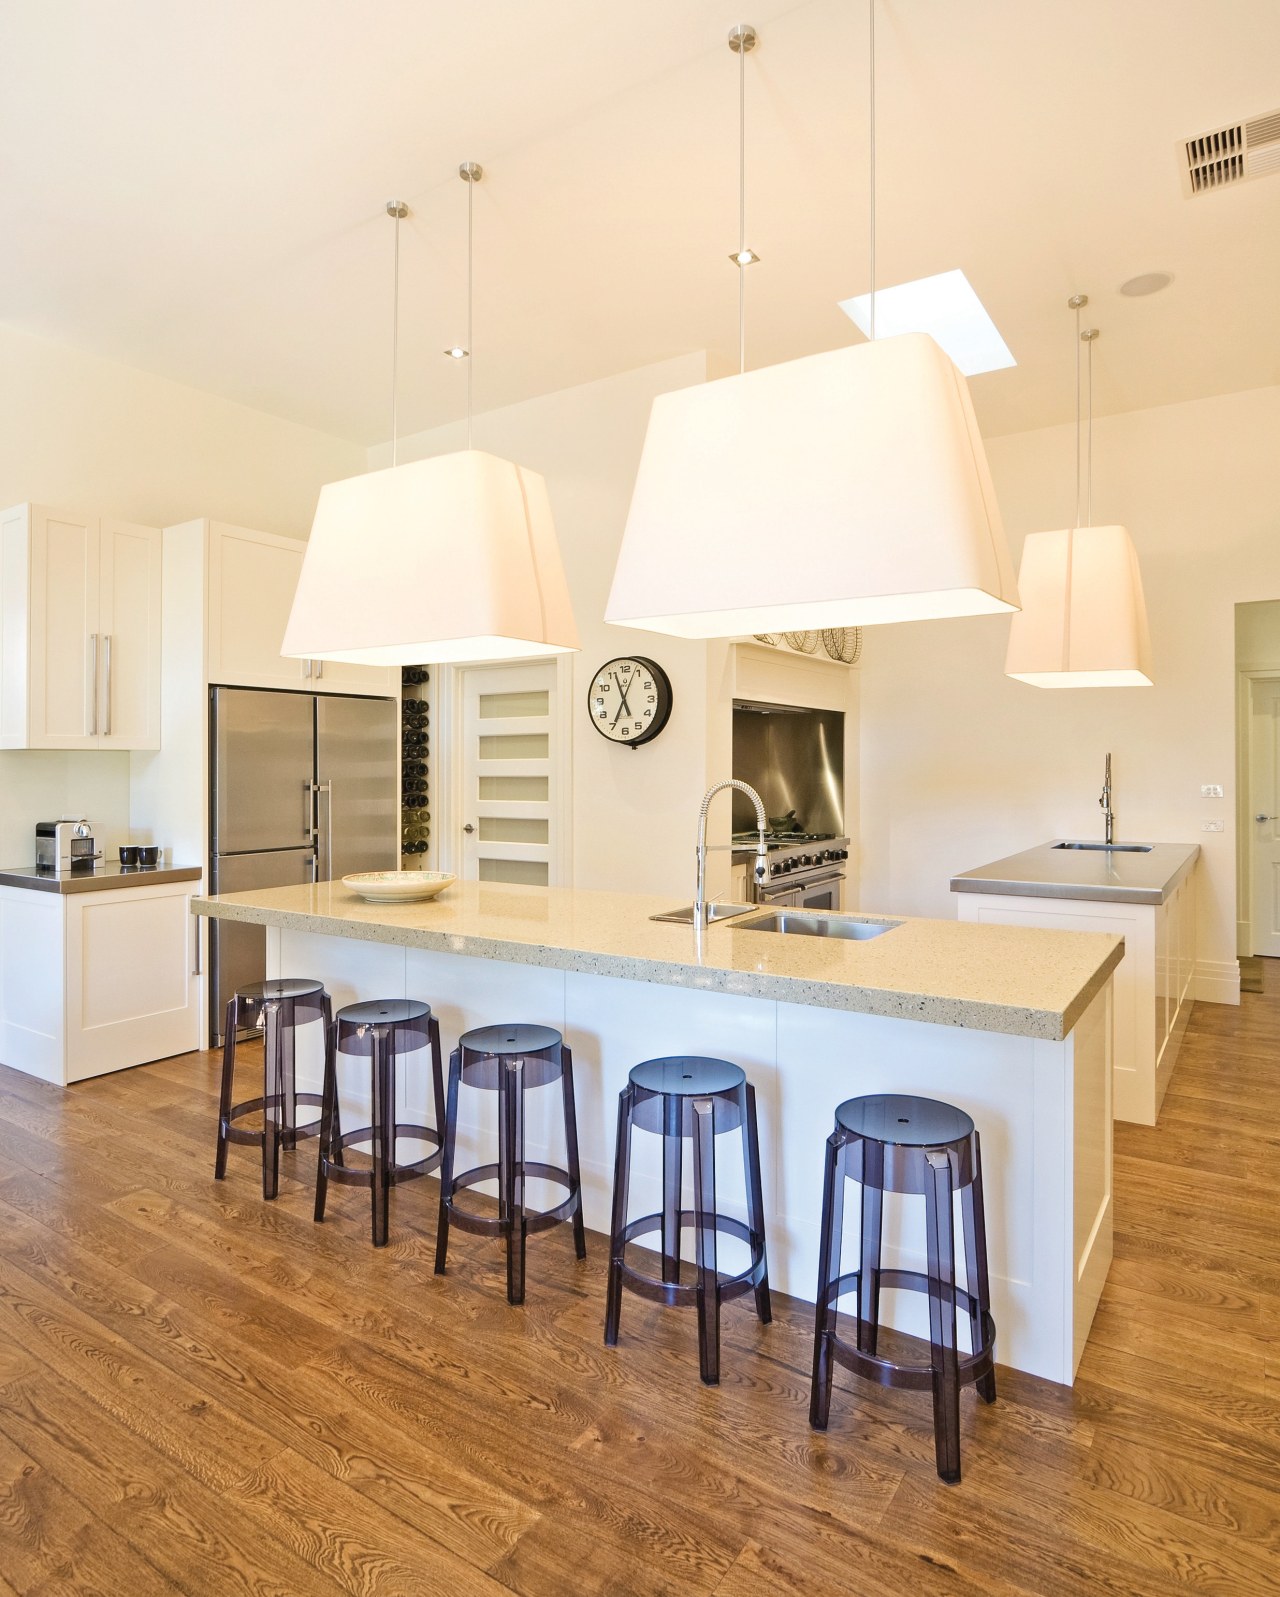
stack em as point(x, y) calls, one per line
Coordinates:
point(946, 308)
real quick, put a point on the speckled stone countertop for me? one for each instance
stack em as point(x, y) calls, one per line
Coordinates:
point(1026, 982)
point(1111, 876)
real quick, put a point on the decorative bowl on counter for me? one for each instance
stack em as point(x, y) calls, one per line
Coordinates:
point(398, 887)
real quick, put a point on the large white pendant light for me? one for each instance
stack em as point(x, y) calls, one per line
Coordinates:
point(867, 461)
point(1083, 622)
point(451, 559)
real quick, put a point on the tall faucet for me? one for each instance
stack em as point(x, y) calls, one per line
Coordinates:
point(762, 847)
point(1105, 804)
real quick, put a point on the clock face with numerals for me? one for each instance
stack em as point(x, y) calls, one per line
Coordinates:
point(630, 700)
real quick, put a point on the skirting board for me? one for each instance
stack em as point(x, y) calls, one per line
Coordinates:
point(1216, 981)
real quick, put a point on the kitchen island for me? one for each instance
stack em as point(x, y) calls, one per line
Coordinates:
point(1010, 1024)
point(1145, 892)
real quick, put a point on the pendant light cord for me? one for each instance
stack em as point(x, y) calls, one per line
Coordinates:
point(397, 210)
point(1088, 476)
point(471, 359)
point(742, 207)
point(871, 228)
point(1076, 522)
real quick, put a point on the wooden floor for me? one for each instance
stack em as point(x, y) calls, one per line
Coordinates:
point(202, 1393)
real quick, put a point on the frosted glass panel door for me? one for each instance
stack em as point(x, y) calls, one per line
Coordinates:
point(1264, 807)
point(510, 772)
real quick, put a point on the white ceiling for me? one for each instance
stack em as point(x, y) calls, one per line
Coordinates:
point(197, 189)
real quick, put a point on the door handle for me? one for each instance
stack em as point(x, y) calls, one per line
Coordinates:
point(468, 827)
point(106, 678)
point(1265, 817)
point(325, 790)
point(309, 810)
point(93, 685)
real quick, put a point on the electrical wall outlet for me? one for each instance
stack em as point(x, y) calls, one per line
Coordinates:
point(1211, 790)
point(1211, 826)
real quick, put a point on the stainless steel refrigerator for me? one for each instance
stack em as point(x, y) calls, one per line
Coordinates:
point(304, 787)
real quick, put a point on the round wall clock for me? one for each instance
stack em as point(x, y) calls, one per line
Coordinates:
point(630, 700)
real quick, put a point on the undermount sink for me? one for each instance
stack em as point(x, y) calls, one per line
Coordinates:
point(1109, 848)
point(715, 912)
point(803, 925)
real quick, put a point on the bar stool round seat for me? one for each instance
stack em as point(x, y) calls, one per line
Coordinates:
point(276, 1008)
point(919, 1147)
point(693, 1098)
point(510, 1060)
point(381, 1031)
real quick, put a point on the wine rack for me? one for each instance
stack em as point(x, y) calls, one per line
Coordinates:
point(415, 737)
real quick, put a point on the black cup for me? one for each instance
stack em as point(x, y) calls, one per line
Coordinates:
point(128, 853)
point(148, 854)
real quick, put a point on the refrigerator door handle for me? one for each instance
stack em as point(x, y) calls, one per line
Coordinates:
point(309, 791)
point(324, 790)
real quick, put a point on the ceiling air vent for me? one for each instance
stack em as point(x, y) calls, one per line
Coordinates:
point(1232, 154)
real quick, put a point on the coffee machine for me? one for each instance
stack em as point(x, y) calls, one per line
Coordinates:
point(65, 845)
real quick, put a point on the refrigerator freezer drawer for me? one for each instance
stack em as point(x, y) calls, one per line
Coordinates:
point(238, 954)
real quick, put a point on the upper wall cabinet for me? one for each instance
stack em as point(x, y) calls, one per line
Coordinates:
point(79, 632)
point(251, 578)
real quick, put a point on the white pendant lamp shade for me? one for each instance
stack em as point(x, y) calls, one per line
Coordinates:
point(842, 489)
point(448, 559)
point(1083, 622)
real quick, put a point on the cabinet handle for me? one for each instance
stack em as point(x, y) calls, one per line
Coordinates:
point(320, 668)
point(196, 968)
point(306, 668)
point(106, 674)
point(93, 685)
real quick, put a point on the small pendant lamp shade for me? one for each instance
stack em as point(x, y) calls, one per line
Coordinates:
point(842, 489)
point(449, 559)
point(1083, 622)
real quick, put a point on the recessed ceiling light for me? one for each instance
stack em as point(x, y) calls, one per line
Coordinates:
point(946, 308)
point(1147, 283)
point(743, 257)
point(457, 352)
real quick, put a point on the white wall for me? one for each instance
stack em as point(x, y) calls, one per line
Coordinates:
point(82, 433)
point(634, 810)
point(960, 765)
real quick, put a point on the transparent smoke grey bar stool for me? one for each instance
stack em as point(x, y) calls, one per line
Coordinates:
point(277, 1009)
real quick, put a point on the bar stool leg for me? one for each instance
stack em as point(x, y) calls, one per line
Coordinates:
point(869, 1247)
point(334, 1144)
point(437, 1078)
point(384, 1122)
point(672, 1181)
point(272, 1092)
point(975, 1264)
point(446, 1159)
point(288, 1085)
point(618, 1224)
point(942, 1317)
point(704, 1215)
point(824, 1320)
point(755, 1197)
point(511, 1174)
point(571, 1150)
point(224, 1096)
point(328, 1114)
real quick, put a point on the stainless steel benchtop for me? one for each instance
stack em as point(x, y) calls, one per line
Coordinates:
point(1108, 877)
point(106, 877)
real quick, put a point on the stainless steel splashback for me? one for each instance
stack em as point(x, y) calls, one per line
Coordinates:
point(794, 758)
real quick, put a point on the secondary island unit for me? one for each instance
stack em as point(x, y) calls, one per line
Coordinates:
point(1010, 1024)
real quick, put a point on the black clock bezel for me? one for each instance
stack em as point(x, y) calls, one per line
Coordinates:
point(662, 682)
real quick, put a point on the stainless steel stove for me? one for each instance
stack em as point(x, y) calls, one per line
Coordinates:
point(806, 869)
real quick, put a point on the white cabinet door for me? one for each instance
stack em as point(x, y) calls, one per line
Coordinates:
point(65, 640)
point(129, 643)
point(252, 577)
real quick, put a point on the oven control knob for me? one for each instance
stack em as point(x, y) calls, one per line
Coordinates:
point(788, 865)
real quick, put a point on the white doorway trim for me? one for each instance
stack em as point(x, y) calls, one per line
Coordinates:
point(1246, 676)
point(449, 684)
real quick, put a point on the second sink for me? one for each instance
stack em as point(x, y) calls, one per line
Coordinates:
point(1109, 848)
